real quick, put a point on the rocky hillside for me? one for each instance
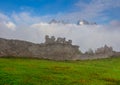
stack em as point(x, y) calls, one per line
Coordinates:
point(51, 49)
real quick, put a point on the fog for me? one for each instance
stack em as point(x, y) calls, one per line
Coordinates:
point(86, 36)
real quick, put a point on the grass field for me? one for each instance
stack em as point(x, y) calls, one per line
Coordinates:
point(45, 72)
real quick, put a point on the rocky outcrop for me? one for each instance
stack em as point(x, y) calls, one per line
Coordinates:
point(105, 50)
point(55, 49)
point(84, 22)
point(52, 48)
point(14, 48)
point(53, 21)
point(102, 52)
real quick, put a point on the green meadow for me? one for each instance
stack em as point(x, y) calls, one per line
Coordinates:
point(20, 71)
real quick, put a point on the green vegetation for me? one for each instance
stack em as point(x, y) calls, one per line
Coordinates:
point(45, 72)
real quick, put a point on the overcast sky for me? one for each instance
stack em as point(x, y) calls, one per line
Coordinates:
point(28, 20)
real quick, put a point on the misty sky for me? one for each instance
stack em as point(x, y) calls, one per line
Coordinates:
point(28, 20)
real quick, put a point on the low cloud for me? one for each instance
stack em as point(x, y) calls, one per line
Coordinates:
point(86, 36)
point(11, 25)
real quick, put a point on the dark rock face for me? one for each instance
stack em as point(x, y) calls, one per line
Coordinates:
point(14, 48)
point(51, 49)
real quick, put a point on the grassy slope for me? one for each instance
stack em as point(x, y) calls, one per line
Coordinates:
point(45, 72)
